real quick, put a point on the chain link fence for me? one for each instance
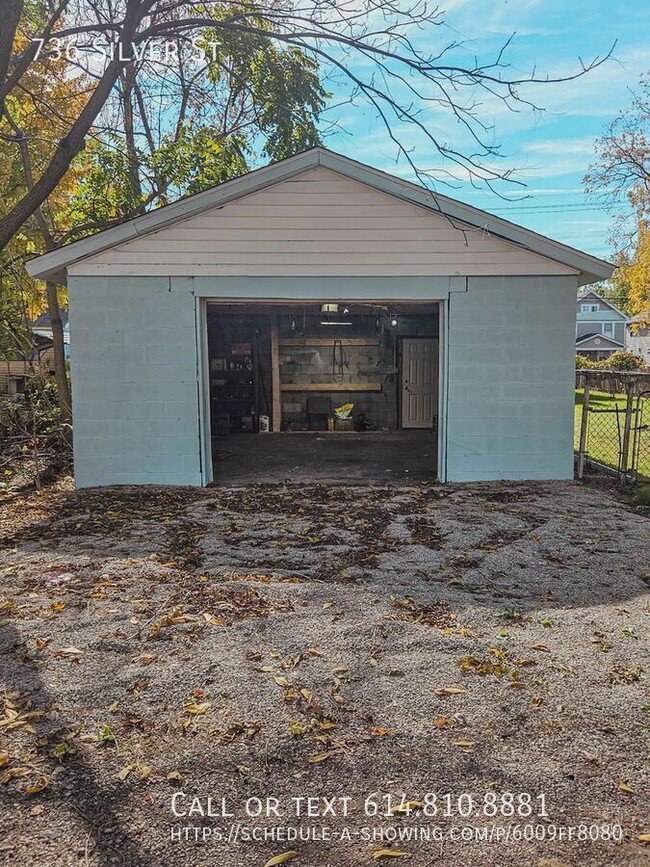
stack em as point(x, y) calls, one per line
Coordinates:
point(612, 430)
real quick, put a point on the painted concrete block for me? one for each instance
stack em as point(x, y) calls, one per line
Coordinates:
point(135, 400)
point(510, 402)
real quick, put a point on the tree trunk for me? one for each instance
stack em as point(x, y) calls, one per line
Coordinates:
point(62, 384)
point(69, 146)
point(11, 13)
point(128, 82)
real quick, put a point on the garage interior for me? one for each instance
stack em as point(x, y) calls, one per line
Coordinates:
point(329, 391)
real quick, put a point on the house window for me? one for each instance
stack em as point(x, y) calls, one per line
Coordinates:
point(608, 329)
point(589, 308)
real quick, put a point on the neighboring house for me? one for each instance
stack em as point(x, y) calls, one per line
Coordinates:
point(638, 336)
point(19, 366)
point(600, 326)
point(42, 326)
point(321, 274)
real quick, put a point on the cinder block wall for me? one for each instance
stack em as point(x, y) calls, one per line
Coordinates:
point(134, 379)
point(510, 379)
point(307, 364)
point(380, 363)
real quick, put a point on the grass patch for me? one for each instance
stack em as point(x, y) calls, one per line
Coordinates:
point(603, 441)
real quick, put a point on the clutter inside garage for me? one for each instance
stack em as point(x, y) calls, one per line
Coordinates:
point(295, 368)
point(354, 384)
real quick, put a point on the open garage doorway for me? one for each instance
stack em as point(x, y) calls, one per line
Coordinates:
point(323, 392)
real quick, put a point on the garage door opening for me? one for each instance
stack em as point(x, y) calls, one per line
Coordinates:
point(326, 391)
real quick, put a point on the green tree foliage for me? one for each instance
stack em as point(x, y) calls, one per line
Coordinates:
point(257, 101)
point(619, 360)
point(397, 60)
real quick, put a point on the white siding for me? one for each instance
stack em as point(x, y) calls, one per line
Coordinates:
point(134, 378)
point(318, 223)
point(639, 344)
point(510, 368)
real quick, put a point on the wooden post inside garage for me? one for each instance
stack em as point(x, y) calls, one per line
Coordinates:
point(275, 375)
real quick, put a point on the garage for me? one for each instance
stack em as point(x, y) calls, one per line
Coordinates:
point(340, 391)
point(319, 320)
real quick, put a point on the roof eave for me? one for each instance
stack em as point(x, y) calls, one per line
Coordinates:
point(52, 265)
point(590, 268)
point(602, 337)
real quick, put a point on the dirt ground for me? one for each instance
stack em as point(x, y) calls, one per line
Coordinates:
point(415, 652)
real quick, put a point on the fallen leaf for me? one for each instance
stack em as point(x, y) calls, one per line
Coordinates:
point(464, 744)
point(444, 722)
point(174, 775)
point(623, 787)
point(68, 651)
point(450, 690)
point(37, 810)
point(281, 859)
point(14, 772)
point(408, 807)
point(543, 647)
point(643, 838)
point(198, 709)
point(388, 853)
point(282, 681)
point(38, 787)
point(124, 773)
point(145, 771)
point(323, 757)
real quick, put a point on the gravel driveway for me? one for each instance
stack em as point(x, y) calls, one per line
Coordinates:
point(425, 662)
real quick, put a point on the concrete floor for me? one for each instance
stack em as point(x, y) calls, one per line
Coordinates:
point(395, 456)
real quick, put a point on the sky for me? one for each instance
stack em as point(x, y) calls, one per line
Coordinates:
point(549, 151)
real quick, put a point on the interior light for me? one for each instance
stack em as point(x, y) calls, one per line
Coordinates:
point(333, 322)
point(329, 308)
point(393, 322)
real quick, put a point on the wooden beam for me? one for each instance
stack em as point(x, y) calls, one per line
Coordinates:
point(331, 386)
point(275, 375)
point(329, 341)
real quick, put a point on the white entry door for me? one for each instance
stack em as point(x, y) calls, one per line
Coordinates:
point(419, 382)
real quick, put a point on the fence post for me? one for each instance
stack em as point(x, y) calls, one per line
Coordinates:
point(625, 446)
point(584, 424)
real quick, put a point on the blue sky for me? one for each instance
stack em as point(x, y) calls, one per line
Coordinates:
point(549, 151)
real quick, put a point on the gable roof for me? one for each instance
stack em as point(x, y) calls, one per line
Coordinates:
point(598, 338)
point(55, 263)
point(588, 292)
point(43, 320)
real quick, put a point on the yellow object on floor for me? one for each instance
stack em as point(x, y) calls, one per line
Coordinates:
point(344, 411)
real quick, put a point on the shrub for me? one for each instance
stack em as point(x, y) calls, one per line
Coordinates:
point(622, 360)
point(583, 362)
point(33, 434)
point(619, 360)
